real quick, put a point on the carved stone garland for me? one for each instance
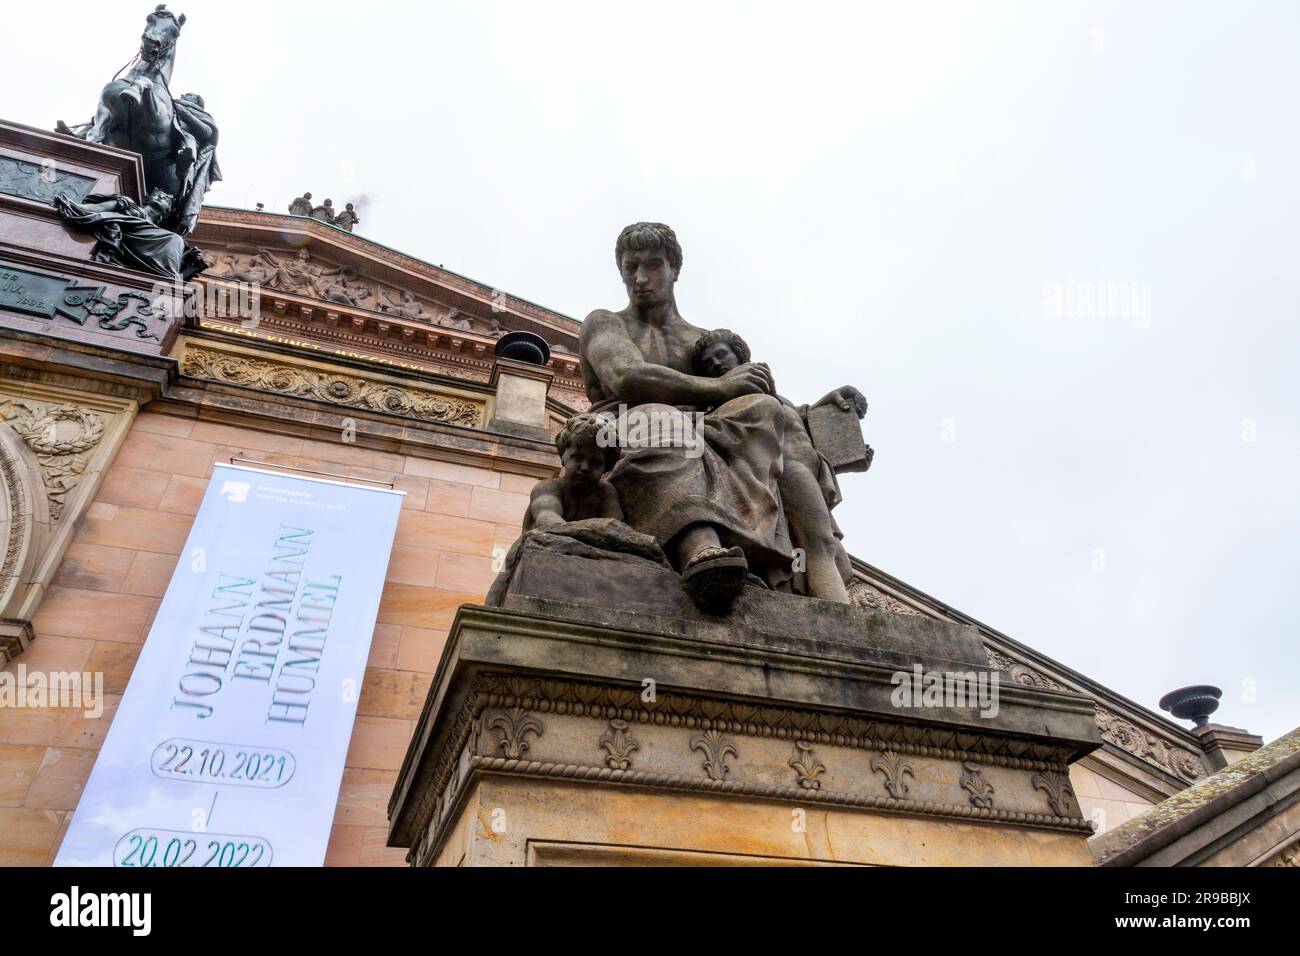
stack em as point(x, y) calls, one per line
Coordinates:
point(62, 456)
point(232, 369)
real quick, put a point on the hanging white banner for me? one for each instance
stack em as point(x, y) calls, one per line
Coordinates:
point(228, 746)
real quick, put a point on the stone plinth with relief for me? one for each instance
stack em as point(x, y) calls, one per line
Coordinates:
point(51, 286)
point(598, 717)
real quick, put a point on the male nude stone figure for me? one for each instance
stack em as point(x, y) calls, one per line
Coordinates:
point(718, 514)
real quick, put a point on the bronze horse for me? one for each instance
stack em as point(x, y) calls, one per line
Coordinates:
point(175, 137)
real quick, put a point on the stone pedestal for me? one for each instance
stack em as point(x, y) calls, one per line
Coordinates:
point(82, 345)
point(598, 718)
point(50, 286)
point(520, 406)
point(1226, 745)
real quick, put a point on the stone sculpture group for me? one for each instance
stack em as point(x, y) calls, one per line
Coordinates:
point(302, 206)
point(731, 485)
point(689, 444)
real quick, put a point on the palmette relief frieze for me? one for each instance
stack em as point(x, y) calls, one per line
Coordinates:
point(618, 744)
point(1288, 857)
point(863, 594)
point(1115, 729)
point(1060, 795)
point(716, 749)
point(563, 730)
point(807, 768)
point(514, 727)
point(980, 790)
point(1128, 736)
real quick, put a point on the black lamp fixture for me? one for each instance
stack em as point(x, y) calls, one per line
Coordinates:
point(1194, 703)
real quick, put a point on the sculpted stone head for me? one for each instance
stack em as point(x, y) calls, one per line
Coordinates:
point(716, 353)
point(649, 259)
point(585, 448)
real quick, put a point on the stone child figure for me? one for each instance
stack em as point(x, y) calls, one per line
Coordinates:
point(580, 491)
point(807, 484)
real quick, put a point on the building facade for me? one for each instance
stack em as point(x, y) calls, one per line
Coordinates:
point(314, 350)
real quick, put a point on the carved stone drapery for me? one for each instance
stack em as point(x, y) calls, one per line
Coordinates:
point(303, 381)
point(1287, 857)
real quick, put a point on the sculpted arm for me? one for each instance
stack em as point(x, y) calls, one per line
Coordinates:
point(611, 507)
point(545, 508)
point(625, 373)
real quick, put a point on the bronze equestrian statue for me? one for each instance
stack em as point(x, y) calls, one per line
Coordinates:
point(175, 136)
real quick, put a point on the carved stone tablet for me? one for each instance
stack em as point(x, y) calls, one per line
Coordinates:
point(837, 434)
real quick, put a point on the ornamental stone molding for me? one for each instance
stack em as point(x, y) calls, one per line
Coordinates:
point(1288, 857)
point(62, 437)
point(55, 445)
point(244, 231)
point(1128, 736)
point(1123, 733)
point(692, 743)
point(1247, 814)
point(320, 383)
point(868, 595)
point(1145, 738)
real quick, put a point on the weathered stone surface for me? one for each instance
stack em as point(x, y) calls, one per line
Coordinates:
point(757, 707)
point(591, 539)
point(1240, 816)
point(646, 596)
point(837, 434)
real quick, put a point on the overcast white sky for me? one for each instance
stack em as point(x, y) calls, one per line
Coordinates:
point(877, 194)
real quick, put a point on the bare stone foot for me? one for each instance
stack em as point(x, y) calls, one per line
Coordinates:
point(714, 578)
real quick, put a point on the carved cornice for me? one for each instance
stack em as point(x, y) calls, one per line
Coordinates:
point(1130, 737)
point(1143, 735)
point(333, 387)
point(511, 708)
point(1123, 733)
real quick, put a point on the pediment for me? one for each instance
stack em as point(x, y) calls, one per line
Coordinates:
point(324, 285)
